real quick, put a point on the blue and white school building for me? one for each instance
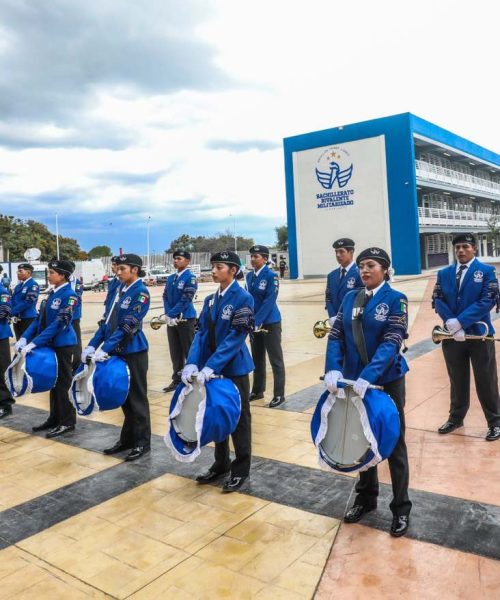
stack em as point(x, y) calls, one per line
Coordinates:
point(397, 182)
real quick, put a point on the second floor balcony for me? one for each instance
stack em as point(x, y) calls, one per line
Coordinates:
point(449, 219)
point(464, 181)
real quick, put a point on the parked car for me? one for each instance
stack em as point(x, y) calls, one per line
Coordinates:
point(156, 276)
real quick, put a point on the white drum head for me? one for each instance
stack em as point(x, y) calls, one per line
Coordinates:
point(184, 423)
point(345, 443)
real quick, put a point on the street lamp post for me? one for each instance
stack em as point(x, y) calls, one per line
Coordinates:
point(234, 232)
point(57, 237)
point(147, 240)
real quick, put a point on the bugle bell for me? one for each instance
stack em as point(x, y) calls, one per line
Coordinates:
point(321, 328)
point(157, 322)
point(440, 333)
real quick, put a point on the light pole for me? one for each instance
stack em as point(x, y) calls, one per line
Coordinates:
point(147, 240)
point(57, 237)
point(234, 232)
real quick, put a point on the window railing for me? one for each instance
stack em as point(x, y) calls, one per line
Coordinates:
point(447, 217)
point(463, 180)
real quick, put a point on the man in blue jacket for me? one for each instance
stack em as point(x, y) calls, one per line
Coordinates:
point(343, 279)
point(180, 314)
point(121, 335)
point(24, 299)
point(219, 348)
point(53, 328)
point(464, 294)
point(263, 284)
point(6, 399)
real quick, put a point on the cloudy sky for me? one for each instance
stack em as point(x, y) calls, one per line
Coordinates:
point(112, 112)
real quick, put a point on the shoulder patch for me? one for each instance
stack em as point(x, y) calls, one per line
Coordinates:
point(403, 305)
point(72, 301)
point(4, 298)
point(142, 298)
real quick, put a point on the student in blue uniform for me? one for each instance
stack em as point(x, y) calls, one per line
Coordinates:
point(24, 299)
point(77, 285)
point(364, 345)
point(219, 348)
point(121, 335)
point(53, 327)
point(6, 399)
point(464, 294)
point(180, 314)
point(343, 279)
point(263, 284)
point(113, 283)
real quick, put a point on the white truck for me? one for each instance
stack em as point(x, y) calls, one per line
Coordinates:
point(91, 272)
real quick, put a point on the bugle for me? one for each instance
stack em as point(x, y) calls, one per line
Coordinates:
point(440, 333)
point(321, 328)
point(157, 322)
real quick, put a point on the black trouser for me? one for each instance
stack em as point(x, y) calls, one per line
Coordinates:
point(136, 430)
point(367, 486)
point(180, 339)
point(6, 399)
point(77, 357)
point(62, 412)
point(282, 272)
point(270, 342)
point(459, 356)
point(21, 326)
point(241, 436)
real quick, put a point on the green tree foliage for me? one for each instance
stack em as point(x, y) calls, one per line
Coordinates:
point(282, 237)
point(220, 241)
point(18, 235)
point(100, 252)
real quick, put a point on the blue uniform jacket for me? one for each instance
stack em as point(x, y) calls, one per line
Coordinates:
point(24, 299)
point(473, 302)
point(57, 312)
point(77, 313)
point(113, 285)
point(178, 295)
point(121, 333)
point(337, 289)
point(385, 324)
point(232, 316)
point(5, 312)
point(264, 290)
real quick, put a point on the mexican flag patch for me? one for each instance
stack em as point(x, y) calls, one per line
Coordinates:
point(4, 298)
point(142, 298)
point(72, 301)
point(403, 306)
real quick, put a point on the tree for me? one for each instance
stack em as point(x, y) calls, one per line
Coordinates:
point(493, 222)
point(282, 237)
point(220, 241)
point(100, 252)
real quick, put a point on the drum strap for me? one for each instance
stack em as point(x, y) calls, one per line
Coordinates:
point(212, 342)
point(357, 325)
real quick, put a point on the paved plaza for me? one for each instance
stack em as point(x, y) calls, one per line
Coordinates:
point(77, 524)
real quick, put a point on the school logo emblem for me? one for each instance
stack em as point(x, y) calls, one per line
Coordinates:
point(126, 302)
point(224, 255)
point(351, 282)
point(478, 276)
point(227, 312)
point(381, 312)
point(263, 285)
point(333, 172)
point(181, 285)
point(56, 303)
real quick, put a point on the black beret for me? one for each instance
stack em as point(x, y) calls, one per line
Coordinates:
point(183, 254)
point(464, 238)
point(343, 243)
point(259, 249)
point(375, 253)
point(26, 266)
point(132, 260)
point(63, 267)
point(226, 256)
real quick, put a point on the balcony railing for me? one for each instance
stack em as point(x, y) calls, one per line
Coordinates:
point(470, 183)
point(446, 217)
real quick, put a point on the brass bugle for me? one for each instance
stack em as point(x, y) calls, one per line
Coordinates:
point(440, 333)
point(321, 328)
point(157, 322)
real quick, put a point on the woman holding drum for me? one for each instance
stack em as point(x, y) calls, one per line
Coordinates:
point(364, 345)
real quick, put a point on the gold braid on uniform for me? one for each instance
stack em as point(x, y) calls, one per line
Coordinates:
point(337, 332)
point(31, 296)
point(396, 330)
point(243, 320)
point(5, 311)
point(130, 325)
point(65, 315)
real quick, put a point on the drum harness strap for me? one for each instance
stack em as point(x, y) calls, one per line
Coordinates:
point(360, 302)
point(212, 342)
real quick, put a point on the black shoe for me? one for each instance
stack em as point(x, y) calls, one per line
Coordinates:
point(232, 484)
point(355, 513)
point(493, 434)
point(255, 396)
point(43, 426)
point(399, 525)
point(276, 401)
point(137, 452)
point(209, 475)
point(171, 387)
point(59, 430)
point(118, 447)
point(5, 412)
point(449, 426)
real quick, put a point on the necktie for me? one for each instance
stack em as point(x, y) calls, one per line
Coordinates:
point(342, 273)
point(113, 317)
point(368, 295)
point(461, 269)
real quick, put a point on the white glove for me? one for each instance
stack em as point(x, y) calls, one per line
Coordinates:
point(27, 348)
point(87, 352)
point(100, 356)
point(360, 386)
point(204, 375)
point(174, 322)
point(453, 325)
point(331, 380)
point(187, 372)
point(331, 320)
point(18, 346)
point(459, 336)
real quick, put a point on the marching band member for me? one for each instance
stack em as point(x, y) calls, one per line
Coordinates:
point(219, 348)
point(342, 279)
point(121, 334)
point(113, 283)
point(178, 304)
point(464, 294)
point(77, 285)
point(24, 299)
point(54, 328)
point(364, 345)
point(263, 284)
point(6, 399)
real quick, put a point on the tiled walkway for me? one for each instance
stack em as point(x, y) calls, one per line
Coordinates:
point(77, 524)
